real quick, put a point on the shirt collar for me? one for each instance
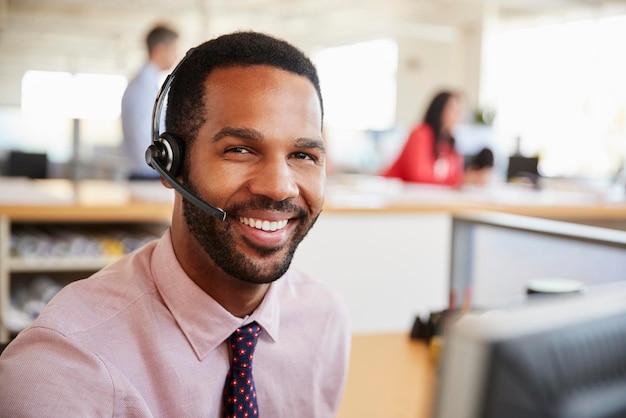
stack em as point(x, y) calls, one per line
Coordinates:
point(205, 323)
point(267, 314)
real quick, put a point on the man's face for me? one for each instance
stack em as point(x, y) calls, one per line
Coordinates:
point(259, 156)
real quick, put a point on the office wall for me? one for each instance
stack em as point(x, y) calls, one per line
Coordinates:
point(451, 60)
point(424, 66)
point(388, 267)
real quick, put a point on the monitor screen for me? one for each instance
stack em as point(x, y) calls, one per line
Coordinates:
point(27, 164)
point(522, 167)
point(557, 357)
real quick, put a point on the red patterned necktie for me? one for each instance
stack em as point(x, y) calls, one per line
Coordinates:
point(239, 398)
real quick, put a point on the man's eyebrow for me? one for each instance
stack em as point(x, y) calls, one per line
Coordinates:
point(243, 133)
point(311, 143)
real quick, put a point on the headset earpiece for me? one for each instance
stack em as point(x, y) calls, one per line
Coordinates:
point(166, 152)
point(174, 154)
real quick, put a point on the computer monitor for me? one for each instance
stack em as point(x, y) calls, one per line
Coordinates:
point(33, 165)
point(557, 357)
point(520, 166)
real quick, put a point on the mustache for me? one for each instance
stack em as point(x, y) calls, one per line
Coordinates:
point(263, 203)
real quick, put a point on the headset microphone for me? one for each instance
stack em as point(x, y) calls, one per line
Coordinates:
point(164, 154)
point(153, 154)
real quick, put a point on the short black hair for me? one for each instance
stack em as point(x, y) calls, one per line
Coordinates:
point(160, 34)
point(483, 159)
point(185, 104)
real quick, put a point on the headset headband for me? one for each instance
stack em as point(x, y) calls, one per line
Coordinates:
point(160, 99)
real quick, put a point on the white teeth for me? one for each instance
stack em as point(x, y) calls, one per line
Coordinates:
point(264, 225)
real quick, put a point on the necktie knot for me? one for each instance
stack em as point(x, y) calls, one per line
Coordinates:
point(242, 343)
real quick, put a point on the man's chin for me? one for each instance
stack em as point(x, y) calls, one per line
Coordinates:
point(264, 274)
point(268, 268)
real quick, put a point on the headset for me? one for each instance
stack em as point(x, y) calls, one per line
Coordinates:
point(165, 152)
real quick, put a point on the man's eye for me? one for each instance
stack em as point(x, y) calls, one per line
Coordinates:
point(237, 150)
point(304, 156)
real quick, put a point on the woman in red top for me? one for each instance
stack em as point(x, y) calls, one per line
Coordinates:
point(429, 155)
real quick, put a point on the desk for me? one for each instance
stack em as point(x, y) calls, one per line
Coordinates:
point(390, 376)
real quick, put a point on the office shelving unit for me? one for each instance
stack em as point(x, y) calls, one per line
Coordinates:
point(103, 218)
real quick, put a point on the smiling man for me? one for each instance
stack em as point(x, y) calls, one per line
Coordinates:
point(209, 320)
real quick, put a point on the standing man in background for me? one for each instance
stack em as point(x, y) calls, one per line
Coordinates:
point(138, 99)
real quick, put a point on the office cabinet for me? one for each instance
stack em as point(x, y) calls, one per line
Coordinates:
point(56, 241)
point(36, 255)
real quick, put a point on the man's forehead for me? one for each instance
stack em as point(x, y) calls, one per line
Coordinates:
point(249, 80)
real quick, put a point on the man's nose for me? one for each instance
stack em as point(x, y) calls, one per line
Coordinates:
point(275, 179)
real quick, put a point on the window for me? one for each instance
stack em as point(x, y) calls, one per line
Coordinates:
point(358, 84)
point(561, 89)
point(50, 100)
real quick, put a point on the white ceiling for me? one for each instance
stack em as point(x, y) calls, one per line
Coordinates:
point(107, 35)
point(315, 20)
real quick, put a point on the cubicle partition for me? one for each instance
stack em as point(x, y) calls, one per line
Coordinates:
point(495, 256)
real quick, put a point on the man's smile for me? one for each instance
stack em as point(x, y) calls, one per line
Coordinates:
point(264, 225)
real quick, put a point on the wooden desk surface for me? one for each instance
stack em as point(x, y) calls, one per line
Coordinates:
point(390, 376)
point(101, 200)
point(57, 200)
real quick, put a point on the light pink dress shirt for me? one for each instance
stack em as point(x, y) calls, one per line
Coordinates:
point(140, 339)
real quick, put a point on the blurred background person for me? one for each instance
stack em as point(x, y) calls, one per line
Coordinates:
point(429, 154)
point(139, 97)
point(479, 170)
